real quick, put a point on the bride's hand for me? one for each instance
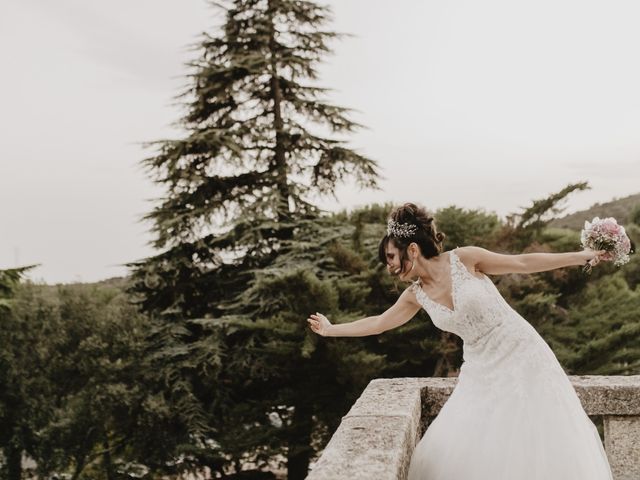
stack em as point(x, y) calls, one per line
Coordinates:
point(591, 257)
point(319, 324)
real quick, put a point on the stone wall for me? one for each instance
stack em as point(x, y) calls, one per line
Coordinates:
point(376, 438)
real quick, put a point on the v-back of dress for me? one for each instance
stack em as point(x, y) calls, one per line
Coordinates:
point(513, 414)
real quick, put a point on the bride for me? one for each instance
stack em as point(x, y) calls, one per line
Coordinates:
point(513, 414)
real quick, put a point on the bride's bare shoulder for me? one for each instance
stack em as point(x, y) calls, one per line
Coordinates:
point(470, 256)
point(410, 294)
point(489, 262)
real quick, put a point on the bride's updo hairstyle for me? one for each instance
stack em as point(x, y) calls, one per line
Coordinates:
point(402, 233)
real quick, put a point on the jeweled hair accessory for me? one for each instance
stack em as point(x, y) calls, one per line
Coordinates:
point(395, 229)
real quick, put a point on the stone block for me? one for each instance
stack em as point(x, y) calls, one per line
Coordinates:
point(608, 395)
point(368, 447)
point(622, 443)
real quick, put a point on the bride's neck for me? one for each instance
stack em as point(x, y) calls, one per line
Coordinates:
point(429, 271)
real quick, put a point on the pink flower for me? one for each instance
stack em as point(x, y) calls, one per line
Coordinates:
point(606, 234)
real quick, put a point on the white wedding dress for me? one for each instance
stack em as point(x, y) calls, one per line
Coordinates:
point(513, 414)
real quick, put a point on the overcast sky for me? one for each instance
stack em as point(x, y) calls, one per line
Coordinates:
point(479, 104)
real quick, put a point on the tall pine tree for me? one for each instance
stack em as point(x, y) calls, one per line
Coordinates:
point(261, 146)
point(250, 165)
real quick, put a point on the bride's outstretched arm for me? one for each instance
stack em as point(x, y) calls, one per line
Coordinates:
point(399, 313)
point(497, 263)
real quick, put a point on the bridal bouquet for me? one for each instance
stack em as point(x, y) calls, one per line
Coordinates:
point(606, 234)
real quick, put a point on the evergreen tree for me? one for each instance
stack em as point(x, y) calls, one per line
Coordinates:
point(467, 227)
point(600, 334)
point(589, 320)
point(523, 229)
point(261, 145)
point(252, 163)
point(634, 216)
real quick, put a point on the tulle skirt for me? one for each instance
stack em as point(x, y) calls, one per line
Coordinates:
point(513, 415)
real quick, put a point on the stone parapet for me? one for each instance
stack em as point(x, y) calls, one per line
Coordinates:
point(377, 436)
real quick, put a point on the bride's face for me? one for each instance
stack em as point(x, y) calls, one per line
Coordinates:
point(393, 262)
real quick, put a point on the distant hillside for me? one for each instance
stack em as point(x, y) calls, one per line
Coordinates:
point(620, 209)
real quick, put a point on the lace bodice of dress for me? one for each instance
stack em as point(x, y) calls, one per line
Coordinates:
point(513, 413)
point(478, 305)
